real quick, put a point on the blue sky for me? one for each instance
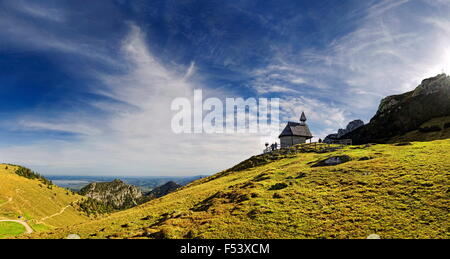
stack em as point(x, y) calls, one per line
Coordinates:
point(86, 88)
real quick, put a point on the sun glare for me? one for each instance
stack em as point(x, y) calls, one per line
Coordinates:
point(446, 63)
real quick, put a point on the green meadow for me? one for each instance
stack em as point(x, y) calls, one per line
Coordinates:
point(10, 229)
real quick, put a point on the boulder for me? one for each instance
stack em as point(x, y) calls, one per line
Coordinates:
point(332, 161)
point(73, 236)
point(373, 236)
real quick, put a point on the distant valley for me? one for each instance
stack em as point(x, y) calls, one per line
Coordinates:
point(145, 183)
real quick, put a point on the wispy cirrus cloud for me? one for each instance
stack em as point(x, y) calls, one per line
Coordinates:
point(381, 7)
point(38, 10)
point(390, 50)
point(49, 26)
point(134, 135)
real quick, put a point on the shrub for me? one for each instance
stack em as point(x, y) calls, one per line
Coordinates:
point(27, 173)
point(94, 207)
point(278, 186)
point(430, 129)
point(332, 161)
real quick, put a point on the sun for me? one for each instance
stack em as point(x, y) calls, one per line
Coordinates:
point(446, 62)
point(446, 68)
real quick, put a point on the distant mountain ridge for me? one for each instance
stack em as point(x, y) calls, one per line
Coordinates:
point(398, 115)
point(163, 190)
point(145, 183)
point(352, 126)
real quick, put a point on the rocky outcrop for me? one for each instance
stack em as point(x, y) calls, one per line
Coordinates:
point(120, 195)
point(431, 86)
point(399, 114)
point(353, 126)
point(330, 138)
point(116, 193)
point(332, 161)
point(163, 190)
point(341, 132)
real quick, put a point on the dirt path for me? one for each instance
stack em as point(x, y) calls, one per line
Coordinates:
point(28, 229)
point(56, 214)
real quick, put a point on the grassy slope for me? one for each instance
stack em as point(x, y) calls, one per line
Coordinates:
point(401, 192)
point(10, 229)
point(31, 199)
point(429, 136)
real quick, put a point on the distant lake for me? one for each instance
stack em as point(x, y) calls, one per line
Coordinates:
point(69, 182)
point(75, 183)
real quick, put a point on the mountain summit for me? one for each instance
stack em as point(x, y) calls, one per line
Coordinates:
point(417, 113)
point(116, 193)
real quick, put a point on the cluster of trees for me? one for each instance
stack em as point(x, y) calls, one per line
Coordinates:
point(94, 207)
point(27, 173)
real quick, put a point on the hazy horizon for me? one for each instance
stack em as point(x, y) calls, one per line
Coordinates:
point(121, 176)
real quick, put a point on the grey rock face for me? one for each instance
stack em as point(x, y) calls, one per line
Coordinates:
point(353, 126)
point(116, 193)
point(341, 132)
point(432, 85)
point(332, 161)
point(388, 102)
point(400, 114)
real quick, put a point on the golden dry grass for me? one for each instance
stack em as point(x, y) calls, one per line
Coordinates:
point(44, 207)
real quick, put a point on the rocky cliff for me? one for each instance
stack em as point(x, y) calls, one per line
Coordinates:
point(119, 195)
point(399, 114)
point(116, 193)
point(352, 126)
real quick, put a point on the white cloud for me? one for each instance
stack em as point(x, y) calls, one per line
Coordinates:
point(20, 32)
point(269, 88)
point(383, 6)
point(392, 48)
point(190, 71)
point(36, 10)
point(279, 78)
point(63, 127)
point(135, 136)
point(390, 53)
